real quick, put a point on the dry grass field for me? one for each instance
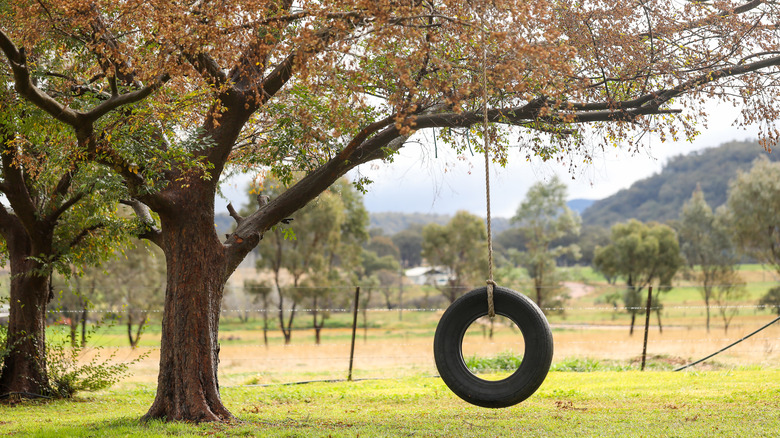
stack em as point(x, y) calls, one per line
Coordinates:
point(388, 353)
point(395, 346)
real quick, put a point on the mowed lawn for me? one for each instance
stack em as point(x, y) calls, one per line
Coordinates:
point(737, 403)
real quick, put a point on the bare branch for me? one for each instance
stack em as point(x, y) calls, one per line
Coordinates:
point(152, 233)
point(234, 214)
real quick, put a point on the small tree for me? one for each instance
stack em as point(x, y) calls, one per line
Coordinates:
point(706, 244)
point(543, 218)
point(409, 244)
point(134, 284)
point(326, 235)
point(641, 254)
point(75, 295)
point(460, 247)
point(771, 300)
point(57, 214)
point(730, 290)
point(262, 293)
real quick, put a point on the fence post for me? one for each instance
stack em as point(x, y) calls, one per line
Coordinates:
point(647, 325)
point(354, 329)
point(401, 295)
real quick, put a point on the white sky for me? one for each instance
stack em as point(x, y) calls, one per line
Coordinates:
point(417, 181)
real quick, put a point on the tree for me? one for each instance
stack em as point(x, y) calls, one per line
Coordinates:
point(543, 218)
point(732, 289)
point(381, 272)
point(409, 244)
point(134, 285)
point(460, 247)
point(317, 226)
point(60, 219)
point(171, 96)
point(705, 242)
point(641, 254)
point(753, 205)
point(326, 234)
point(771, 300)
point(73, 304)
point(263, 291)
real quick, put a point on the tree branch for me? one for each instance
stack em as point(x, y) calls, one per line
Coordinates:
point(52, 218)
point(83, 234)
point(208, 68)
point(142, 212)
point(117, 101)
point(25, 87)
point(17, 191)
point(234, 214)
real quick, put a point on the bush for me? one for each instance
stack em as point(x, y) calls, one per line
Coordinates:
point(67, 375)
point(771, 300)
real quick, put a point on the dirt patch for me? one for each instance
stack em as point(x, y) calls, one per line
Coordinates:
point(577, 290)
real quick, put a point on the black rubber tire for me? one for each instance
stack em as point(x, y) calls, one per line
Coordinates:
point(448, 348)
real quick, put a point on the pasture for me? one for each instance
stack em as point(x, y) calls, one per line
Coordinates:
point(594, 389)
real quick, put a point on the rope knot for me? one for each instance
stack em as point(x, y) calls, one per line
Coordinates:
point(491, 308)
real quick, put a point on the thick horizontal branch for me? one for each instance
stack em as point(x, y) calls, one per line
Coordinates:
point(77, 120)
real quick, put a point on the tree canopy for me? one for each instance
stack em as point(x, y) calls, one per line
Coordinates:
point(461, 247)
point(753, 208)
point(641, 254)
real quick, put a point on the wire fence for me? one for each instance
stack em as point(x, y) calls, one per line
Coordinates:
point(396, 340)
point(253, 353)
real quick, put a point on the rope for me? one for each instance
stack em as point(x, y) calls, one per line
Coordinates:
point(727, 347)
point(486, 137)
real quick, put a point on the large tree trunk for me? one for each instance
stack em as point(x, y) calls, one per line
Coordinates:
point(187, 387)
point(24, 370)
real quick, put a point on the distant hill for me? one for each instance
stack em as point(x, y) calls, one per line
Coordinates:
point(393, 222)
point(661, 196)
point(579, 205)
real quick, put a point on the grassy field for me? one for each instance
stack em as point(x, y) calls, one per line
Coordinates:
point(734, 394)
point(597, 404)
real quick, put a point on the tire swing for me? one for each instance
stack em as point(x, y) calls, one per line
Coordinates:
point(489, 301)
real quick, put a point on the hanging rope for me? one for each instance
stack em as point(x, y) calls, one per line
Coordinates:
point(486, 139)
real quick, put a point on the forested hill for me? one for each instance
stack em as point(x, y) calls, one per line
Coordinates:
point(393, 222)
point(661, 196)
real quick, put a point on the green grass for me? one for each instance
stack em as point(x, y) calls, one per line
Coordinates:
point(598, 404)
point(505, 361)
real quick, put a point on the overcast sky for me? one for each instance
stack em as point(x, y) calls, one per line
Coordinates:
point(425, 180)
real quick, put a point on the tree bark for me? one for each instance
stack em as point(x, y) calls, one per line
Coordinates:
point(24, 369)
point(187, 386)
